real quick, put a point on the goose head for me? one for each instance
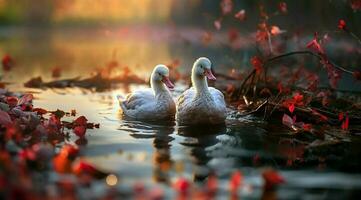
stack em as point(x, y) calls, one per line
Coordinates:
point(161, 75)
point(202, 67)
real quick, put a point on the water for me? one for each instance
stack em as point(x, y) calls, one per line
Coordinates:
point(158, 154)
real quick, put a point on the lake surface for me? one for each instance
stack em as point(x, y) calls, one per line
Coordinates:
point(158, 154)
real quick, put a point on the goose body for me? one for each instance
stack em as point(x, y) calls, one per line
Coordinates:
point(155, 103)
point(201, 104)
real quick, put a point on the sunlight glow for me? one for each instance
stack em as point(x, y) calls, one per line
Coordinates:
point(114, 10)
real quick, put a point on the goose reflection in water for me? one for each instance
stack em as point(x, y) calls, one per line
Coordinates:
point(161, 158)
point(197, 139)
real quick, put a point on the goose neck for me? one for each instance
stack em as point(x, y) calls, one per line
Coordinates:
point(159, 88)
point(200, 84)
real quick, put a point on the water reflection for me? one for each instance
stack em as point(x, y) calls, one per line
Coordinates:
point(153, 152)
point(197, 140)
point(160, 134)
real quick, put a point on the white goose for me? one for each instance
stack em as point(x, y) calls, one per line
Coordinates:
point(155, 103)
point(201, 104)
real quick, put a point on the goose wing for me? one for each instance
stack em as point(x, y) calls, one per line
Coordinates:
point(138, 98)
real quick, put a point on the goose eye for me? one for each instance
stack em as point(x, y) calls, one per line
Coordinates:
point(201, 66)
point(160, 74)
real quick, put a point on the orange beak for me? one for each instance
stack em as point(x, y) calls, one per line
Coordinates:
point(167, 82)
point(208, 73)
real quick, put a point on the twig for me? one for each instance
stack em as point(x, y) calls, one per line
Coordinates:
point(355, 37)
point(255, 110)
point(306, 53)
point(269, 42)
point(270, 60)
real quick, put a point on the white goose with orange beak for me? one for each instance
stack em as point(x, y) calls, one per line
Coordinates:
point(155, 103)
point(201, 104)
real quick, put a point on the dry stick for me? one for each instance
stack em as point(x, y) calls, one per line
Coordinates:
point(355, 37)
point(294, 53)
point(309, 53)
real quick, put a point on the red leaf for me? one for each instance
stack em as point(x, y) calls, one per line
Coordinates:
point(342, 25)
point(321, 116)
point(257, 64)
point(27, 154)
point(40, 111)
point(272, 178)
point(282, 89)
point(357, 75)
point(291, 107)
point(182, 185)
point(345, 123)
point(80, 121)
point(212, 184)
point(275, 30)
point(356, 5)
point(340, 116)
point(307, 127)
point(7, 62)
point(315, 46)
point(54, 121)
point(56, 72)
point(236, 181)
point(26, 98)
point(12, 101)
point(282, 7)
point(4, 118)
point(298, 98)
point(240, 15)
point(62, 162)
point(261, 35)
point(233, 34)
point(79, 131)
point(83, 167)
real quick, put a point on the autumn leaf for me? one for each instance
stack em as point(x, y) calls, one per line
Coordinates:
point(282, 7)
point(217, 24)
point(26, 98)
point(291, 107)
point(7, 62)
point(236, 181)
point(182, 185)
point(357, 75)
point(81, 121)
point(83, 167)
point(356, 5)
point(240, 15)
point(257, 64)
point(12, 101)
point(79, 131)
point(233, 34)
point(56, 72)
point(40, 111)
point(275, 30)
point(272, 178)
point(212, 184)
point(315, 45)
